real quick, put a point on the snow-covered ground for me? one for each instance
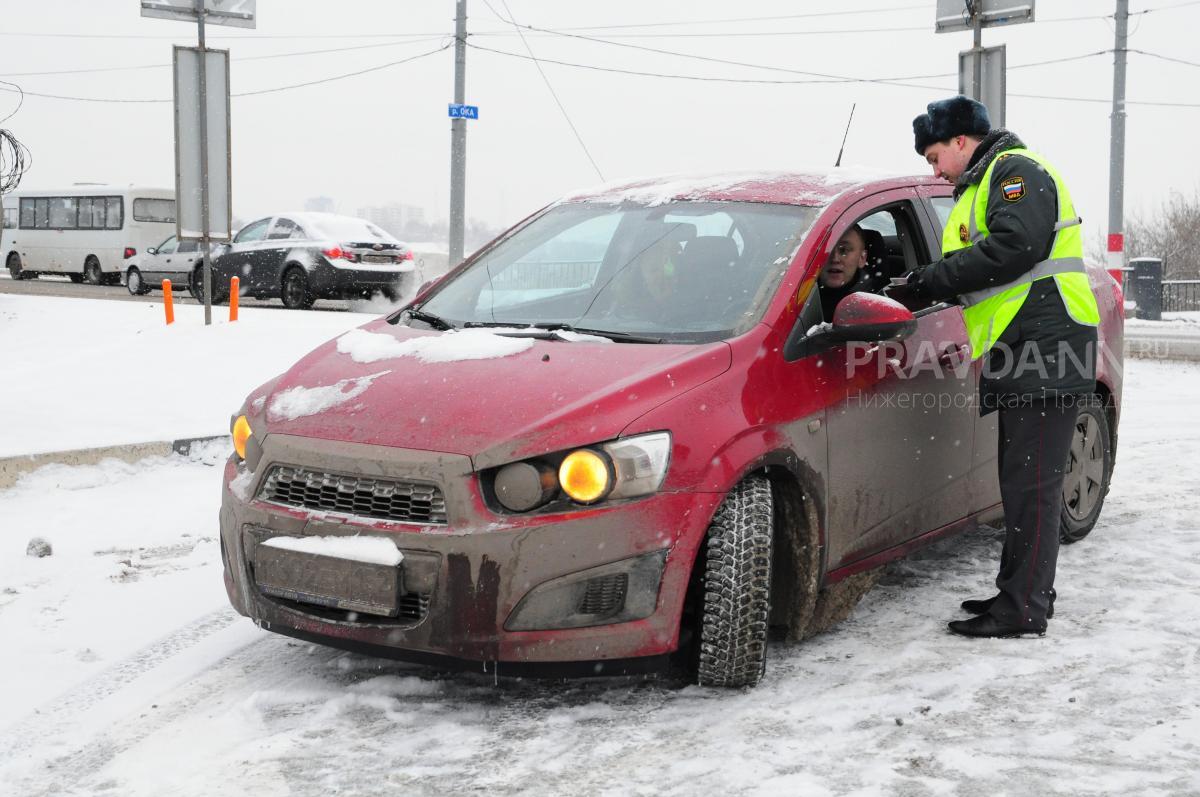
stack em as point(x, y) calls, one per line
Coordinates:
point(84, 373)
point(125, 673)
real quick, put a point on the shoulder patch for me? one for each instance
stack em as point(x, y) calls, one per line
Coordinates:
point(963, 234)
point(1013, 189)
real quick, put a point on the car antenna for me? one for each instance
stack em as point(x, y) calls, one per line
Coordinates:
point(847, 134)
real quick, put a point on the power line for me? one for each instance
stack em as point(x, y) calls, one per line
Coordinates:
point(1165, 58)
point(553, 93)
point(239, 59)
point(243, 93)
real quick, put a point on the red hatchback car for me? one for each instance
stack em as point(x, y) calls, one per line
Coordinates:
point(623, 435)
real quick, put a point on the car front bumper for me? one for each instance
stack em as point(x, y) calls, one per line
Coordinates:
point(469, 584)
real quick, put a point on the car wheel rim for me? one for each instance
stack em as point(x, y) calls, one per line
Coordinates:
point(1083, 484)
point(135, 282)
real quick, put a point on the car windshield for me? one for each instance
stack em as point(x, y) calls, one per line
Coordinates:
point(677, 272)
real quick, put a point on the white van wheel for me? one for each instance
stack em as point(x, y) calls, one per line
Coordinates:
point(92, 274)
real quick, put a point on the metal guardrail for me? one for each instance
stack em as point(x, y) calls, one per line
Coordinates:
point(1180, 295)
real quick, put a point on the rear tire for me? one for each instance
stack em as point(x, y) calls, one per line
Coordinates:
point(1088, 473)
point(295, 291)
point(92, 274)
point(737, 588)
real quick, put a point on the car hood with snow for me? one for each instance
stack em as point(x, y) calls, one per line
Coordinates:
point(493, 395)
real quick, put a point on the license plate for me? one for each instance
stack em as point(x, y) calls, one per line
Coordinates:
point(378, 259)
point(328, 581)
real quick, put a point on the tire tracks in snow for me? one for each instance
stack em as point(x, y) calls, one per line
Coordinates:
point(53, 720)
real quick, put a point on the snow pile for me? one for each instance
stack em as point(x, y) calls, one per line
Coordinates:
point(375, 550)
point(450, 346)
point(299, 402)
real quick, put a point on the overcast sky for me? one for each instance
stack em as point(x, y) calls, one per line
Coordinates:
point(383, 136)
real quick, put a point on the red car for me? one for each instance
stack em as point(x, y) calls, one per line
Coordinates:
point(622, 436)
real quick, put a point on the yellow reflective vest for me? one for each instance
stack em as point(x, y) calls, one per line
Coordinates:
point(989, 311)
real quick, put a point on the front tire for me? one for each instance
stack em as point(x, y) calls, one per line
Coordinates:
point(196, 286)
point(295, 291)
point(1088, 472)
point(135, 284)
point(737, 588)
point(16, 271)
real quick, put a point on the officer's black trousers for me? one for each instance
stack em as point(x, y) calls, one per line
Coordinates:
point(1034, 444)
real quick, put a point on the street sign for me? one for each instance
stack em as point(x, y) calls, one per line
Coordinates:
point(992, 80)
point(189, 166)
point(953, 15)
point(458, 111)
point(238, 13)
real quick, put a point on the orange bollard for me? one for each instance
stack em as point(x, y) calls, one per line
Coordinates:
point(168, 304)
point(233, 298)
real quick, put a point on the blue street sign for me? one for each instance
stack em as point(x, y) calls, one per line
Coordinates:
point(464, 111)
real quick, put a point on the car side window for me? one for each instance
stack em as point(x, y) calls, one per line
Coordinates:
point(942, 205)
point(284, 228)
point(255, 231)
point(167, 247)
point(188, 247)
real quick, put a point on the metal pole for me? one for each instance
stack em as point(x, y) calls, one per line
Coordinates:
point(977, 68)
point(204, 231)
point(1116, 168)
point(458, 139)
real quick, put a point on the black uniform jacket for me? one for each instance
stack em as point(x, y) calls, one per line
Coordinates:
point(1043, 354)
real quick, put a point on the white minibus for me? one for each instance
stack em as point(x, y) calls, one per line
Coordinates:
point(86, 232)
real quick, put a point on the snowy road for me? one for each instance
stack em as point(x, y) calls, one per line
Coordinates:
point(125, 673)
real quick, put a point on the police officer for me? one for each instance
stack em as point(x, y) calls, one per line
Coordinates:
point(1012, 256)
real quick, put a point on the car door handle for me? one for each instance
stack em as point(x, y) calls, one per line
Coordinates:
point(954, 355)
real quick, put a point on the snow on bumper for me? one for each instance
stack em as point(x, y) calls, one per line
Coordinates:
point(599, 584)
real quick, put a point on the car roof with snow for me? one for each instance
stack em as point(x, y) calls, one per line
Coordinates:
point(336, 225)
point(808, 187)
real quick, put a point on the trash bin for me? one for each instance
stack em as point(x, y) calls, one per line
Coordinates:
point(1147, 286)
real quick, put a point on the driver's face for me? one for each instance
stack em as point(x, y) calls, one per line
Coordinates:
point(847, 258)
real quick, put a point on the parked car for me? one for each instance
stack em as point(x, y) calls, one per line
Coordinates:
point(171, 260)
point(534, 468)
point(302, 257)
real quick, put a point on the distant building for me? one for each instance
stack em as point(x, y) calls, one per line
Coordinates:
point(393, 218)
point(319, 204)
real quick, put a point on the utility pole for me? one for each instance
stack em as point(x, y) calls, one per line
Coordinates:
point(458, 139)
point(976, 9)
point(205, 244)
point(1116, 167)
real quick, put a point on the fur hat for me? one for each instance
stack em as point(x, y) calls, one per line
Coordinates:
point(945, 119)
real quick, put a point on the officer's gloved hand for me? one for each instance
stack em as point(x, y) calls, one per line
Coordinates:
point(915, 282)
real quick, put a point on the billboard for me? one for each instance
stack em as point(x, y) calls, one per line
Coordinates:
point(239, 13)
point(189, 164)
point(955, 15)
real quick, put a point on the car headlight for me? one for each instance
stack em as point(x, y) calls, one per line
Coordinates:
point(625, 468)
point(241, 433)
point(585, 475)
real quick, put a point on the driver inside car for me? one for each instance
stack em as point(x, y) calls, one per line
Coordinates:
point(844, 273)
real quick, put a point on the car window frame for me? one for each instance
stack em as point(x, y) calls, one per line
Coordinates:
point(266, 221)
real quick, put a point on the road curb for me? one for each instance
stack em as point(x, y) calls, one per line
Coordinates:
point(13, 468)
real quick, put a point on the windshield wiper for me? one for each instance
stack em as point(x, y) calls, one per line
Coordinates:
point(519, 327)
point(417, 314)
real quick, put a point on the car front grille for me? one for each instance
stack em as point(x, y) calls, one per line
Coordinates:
point(411, 609)
point(384, 499)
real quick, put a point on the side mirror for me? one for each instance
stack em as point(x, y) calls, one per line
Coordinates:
point(869, 318)
point(859, 318)
point(150, 250)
